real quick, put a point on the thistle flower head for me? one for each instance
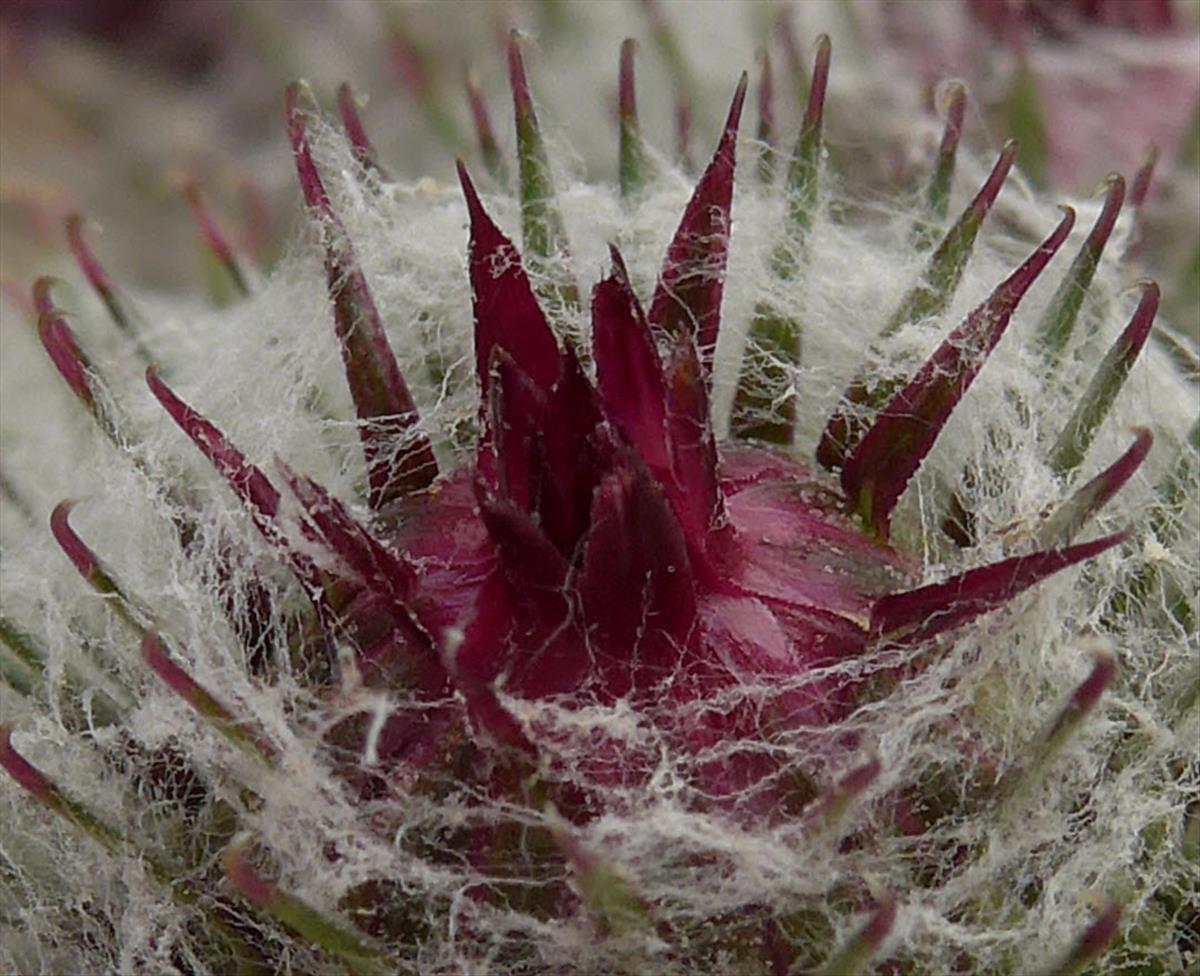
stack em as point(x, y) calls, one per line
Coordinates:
point(560, 656)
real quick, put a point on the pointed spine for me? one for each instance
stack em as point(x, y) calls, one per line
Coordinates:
point(201, 700)
point(102, 284)
point(247, 481)
point(542, 231)
point(336, 938)
point(670, 50)
point(398, 454)
point(852, 958)
point(764, 405)
point(154, 651)
point(181, 891)
point(213, 238)
point(881, 465)
point(1075, 512)
point(1083, 701)
point(360, 143)
point(485, 135)
point(73, 365)
point(1055, 328)
point(945, 270)
point(89, 566)
point(806, 159)
point(1080, 430)
point(687, 301)
point(766, 118)
point(633, 166)
point(1091, 945)
point(37, 785)
point(929, 297)
point(916, 615)
point(937, 194)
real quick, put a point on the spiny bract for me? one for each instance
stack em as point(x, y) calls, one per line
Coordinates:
point(566, 684)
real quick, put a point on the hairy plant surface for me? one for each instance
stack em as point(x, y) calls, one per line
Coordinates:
point(448, 605)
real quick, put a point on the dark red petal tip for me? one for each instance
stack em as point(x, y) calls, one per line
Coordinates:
point(635, 585)
point(360, 142)
point(880, 466)
point(907, 618)
point(820, 82)
point(398, 454)
point(249, 882)
point(247, 481)
point(62, 347)
point(76, 549)
point(629, 375)
point(20, 769)
point(1091, 944)
point(43, 303)
point(1142, 179)
point(86, 258)
point(488, 713)
point(687, 300)
point(506, 312)
point(306, 169)
point(214, 239)
point(1062, 526)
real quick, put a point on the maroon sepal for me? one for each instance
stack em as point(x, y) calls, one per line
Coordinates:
point(477, 660)
point(549, 455)
point(248, 482)
point(916, 615)
point(382, 571)
point(629, 376)
point(635, 583)
point(1074, 513)
point(398, 454)
point(506, 312)
point(687, 300)
point(881, 465)
point(693, 452)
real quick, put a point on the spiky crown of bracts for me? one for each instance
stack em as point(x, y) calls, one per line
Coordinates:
point(601, 661)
